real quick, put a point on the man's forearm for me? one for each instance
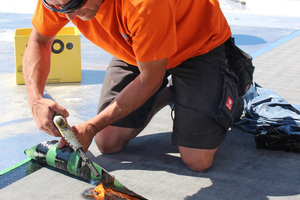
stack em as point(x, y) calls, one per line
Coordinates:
point(36, 67)
point(132, 96)
point(35, 77)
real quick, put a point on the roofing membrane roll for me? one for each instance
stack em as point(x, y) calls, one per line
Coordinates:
point(68, 160)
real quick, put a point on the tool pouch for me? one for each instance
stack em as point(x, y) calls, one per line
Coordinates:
point(225, 112)
point(241, 64)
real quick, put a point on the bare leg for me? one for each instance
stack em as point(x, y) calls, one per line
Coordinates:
point(113, 139)
point(197, 159)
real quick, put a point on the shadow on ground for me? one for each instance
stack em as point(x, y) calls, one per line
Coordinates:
point(242, 39)
point(240, 171)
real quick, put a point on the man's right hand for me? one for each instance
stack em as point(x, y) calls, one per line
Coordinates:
point(43, 111)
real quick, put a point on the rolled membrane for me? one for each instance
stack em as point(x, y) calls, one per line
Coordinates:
point(68, 160)
point(65, 159)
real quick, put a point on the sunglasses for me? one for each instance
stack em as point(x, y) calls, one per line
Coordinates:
point(71, 6)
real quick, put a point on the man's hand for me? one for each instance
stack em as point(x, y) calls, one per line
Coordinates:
point(43, 111)
point(84, 133)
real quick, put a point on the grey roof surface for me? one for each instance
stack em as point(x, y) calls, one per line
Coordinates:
point(150, 165)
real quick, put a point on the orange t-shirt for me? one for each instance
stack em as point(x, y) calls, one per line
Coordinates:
point(145, 30)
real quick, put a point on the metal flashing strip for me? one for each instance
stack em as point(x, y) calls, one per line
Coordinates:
point(275, 44)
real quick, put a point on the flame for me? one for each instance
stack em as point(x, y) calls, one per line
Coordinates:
point(102, 193)
point(99, 192)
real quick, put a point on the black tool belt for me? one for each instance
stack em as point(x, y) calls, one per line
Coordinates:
point(241, 64)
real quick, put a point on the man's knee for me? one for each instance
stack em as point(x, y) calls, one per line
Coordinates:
point(113, 139)
point(198, 166)
point(108, 145)
point(197, 159)
point(108, 148)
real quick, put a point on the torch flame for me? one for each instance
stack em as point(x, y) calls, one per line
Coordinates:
point(99, 192)
point(103, 193)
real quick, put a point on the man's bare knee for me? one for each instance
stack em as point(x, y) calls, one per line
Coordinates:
point(198, 166)
point(197, 159)
point(109, 150)
point(108, 145)
point(113, 139)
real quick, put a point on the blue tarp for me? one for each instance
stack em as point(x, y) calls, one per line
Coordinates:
point(265, 108)
point(274, 122)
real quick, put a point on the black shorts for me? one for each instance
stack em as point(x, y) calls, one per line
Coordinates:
point(199, 86)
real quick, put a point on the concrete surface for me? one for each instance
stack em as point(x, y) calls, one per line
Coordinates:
point(150, 165)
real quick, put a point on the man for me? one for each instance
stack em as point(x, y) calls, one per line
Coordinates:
point(149, 40)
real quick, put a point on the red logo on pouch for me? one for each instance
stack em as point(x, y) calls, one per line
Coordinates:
point(229, 103)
